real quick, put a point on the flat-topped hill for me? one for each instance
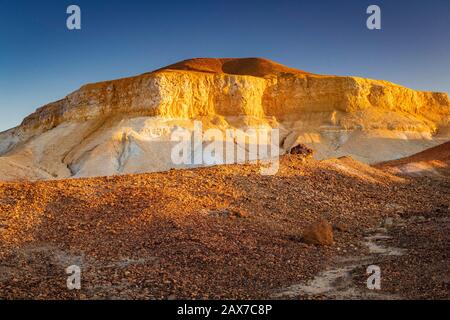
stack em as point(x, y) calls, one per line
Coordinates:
point(107, 128)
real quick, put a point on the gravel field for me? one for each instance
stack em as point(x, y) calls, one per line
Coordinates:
point(222, 232)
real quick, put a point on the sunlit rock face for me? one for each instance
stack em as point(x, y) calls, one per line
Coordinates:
point(125, 125)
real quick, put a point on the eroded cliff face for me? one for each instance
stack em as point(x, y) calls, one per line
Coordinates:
point(106, 128)
point(186, 94)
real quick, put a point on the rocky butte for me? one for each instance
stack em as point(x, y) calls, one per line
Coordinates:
point(112, 127)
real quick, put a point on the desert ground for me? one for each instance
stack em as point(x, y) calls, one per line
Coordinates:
point(228, 232)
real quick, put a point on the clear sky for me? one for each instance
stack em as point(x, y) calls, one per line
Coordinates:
point(42, 61)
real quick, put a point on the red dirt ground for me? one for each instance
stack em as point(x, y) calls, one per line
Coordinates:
point(218, 232)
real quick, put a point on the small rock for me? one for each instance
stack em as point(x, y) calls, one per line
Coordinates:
point(319, 233)
point(302, 150)
point(421, 218)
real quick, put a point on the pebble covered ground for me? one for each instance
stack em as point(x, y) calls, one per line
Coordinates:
point(219, 232)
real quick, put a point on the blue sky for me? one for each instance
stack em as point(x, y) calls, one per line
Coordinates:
point(41, 61)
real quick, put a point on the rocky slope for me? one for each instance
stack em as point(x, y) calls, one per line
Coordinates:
point(124, 126)
point(433, 161)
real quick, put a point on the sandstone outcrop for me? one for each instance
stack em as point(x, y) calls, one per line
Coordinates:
point(123, 126)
